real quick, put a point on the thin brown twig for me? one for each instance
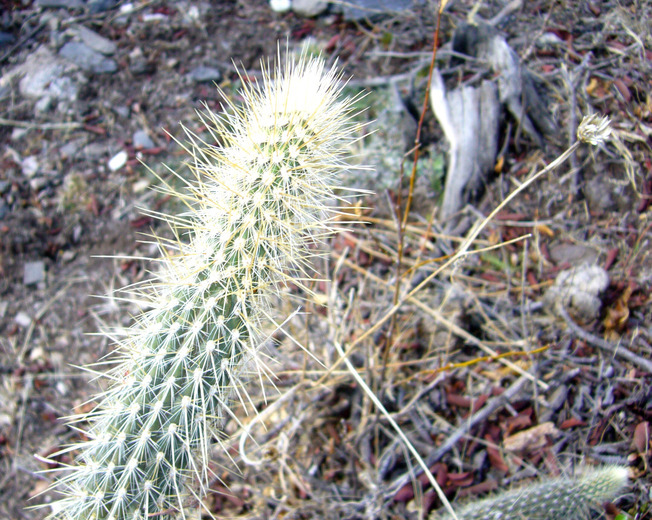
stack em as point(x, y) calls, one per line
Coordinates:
point(616, 350)
point(402, 221)
point(490, 407)
point(424, 107)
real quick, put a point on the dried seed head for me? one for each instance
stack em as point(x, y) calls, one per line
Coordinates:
point(594, 130)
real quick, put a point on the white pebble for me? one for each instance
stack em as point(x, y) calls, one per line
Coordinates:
point(280, 6)
point(118, 161)
point(23, 319)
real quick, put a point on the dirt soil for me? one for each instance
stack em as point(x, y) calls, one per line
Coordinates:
point(64, 212)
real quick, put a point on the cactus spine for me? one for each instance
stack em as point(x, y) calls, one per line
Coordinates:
point(257, 201)
point(556, 499)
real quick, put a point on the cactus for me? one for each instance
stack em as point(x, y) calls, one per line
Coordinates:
point(257, 201)
point(555, 499)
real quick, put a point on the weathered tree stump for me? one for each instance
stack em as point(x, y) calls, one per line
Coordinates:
point(470, 115)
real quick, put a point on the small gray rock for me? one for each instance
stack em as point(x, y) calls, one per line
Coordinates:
point(361, 9)
point(138, 63)
point(95, 41)
point(573, 254)
point(142, 141)
point(34, 273)
point(38, 183)
point(139, 66)
point(87, 59)
point(18, 133)
point(121, 110)
point(66, 4)
point(4, 209)
point(63, 88)
point(98, 6)
point(70, 149)
point(204, 74)
point(309, 8)
point(598, 194)
point(94, 150)
point(603, 194)
point(23, 319)
point(6, 39)
point(43, 105)
point(390, 135)
point(29, 166)
point(38, 72)
point(280, 6)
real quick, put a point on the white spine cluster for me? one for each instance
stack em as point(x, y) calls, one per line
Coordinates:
point(257, 201)
point(556, 499)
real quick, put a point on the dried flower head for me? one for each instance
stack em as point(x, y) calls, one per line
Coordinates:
point(594, 130)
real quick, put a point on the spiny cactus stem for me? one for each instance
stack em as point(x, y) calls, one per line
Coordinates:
point(256, 204)
point(556, 499)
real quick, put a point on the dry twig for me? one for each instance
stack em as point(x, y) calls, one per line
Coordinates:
point(616, 350)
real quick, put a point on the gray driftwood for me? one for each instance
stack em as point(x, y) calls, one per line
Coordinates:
point(470, 115)
point(516, 85)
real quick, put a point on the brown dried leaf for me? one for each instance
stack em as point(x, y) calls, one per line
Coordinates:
point(517, 422)
point(618, 313)
point(641, 440)
point(477, 489)
point(85, 408)
point(457, 400)
point(623, 90)
point(39, 487)
point(460, 479)
point(571, 423)
point(495, 457)
point(531, 438)
point(592, 86)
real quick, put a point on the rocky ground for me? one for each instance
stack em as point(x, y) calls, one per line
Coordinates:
point(90, 91)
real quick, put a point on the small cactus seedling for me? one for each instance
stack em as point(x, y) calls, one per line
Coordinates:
point(257, 199)
point(555, 499)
